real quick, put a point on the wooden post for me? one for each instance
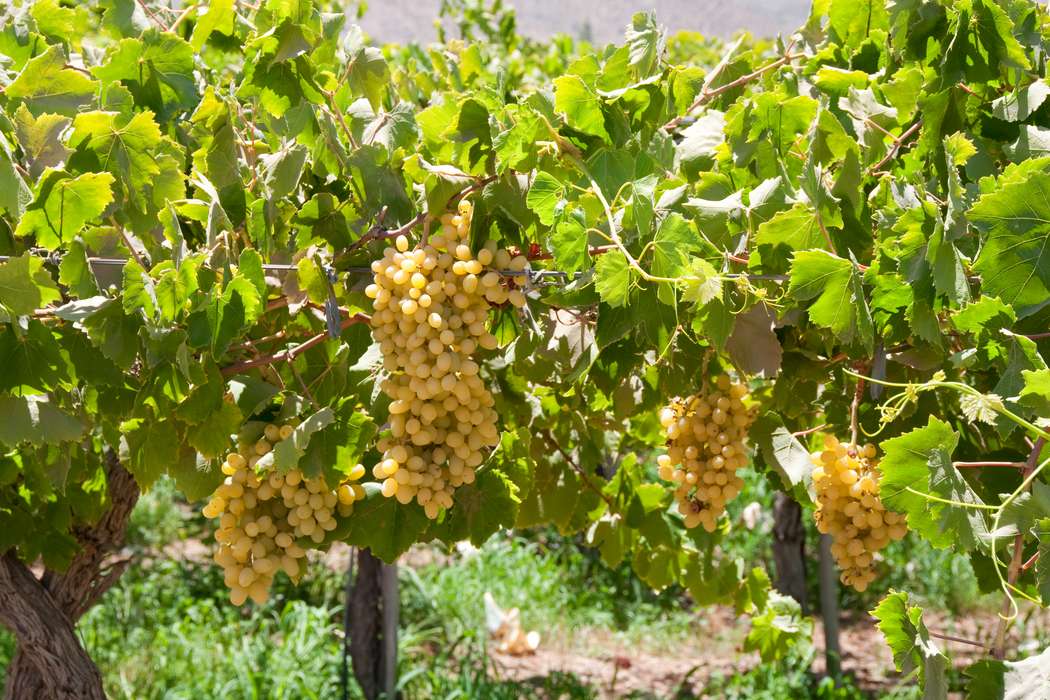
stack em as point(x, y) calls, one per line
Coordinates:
point(391, 613)
point(829, 608)
point(365, 623)
point(789, 544)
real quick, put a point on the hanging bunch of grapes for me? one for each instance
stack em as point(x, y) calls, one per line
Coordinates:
point(706, 445)
point(267, 519)
point(431, 314)
point(849, 509)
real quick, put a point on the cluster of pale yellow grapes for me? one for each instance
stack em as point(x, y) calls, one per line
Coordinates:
point(431, 315)
point(705, 447)
point(265, 516)
point(850, 510)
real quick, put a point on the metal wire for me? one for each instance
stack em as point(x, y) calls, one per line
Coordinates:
point(539, 278)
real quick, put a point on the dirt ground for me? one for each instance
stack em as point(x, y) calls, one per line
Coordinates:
point(618, 670)
point(607, 663)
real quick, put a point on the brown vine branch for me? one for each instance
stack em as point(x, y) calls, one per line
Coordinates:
point(149, 12)
point(977, 465)
point(378, 233)
point(894, 148)
point(809, 431)
point(999, 647)
point(708, 95)
point(534, 253)
point(548, 437)
point(960, 640)
point(293, 352)
point(1031, 562)
point(182, 17)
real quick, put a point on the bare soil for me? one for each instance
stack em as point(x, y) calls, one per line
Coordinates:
point(617, 669)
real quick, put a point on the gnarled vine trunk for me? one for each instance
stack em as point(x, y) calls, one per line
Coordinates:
point(50, 662)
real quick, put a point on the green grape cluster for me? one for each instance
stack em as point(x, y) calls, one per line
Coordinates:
point(706, 437)
point(266, 517)
point(849, 509)
point(431, 307)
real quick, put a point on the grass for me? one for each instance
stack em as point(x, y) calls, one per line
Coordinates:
point(166, 630)
point(560, 589)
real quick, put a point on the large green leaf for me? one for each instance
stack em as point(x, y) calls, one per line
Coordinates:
point(35, 420)
point(913, 648)
point(157, 68)
point(581, 106)
point(25, 285)
point(836, 286)
point(47, 84)
point(63, 205)
point(125, 146)
point(1015, 259)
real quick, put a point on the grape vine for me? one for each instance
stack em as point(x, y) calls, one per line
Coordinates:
point(491, 270)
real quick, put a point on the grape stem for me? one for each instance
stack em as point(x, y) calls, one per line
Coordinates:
point(960, 640)
point(854, 410)
point(1031, 562)
point(999, 647)
point(977, 465)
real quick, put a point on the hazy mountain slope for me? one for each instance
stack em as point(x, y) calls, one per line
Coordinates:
point(602, 20)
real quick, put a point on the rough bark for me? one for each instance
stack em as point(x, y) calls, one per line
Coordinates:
point(53, 663)
point(789, 544)
point(60, 599)
point(366, 650)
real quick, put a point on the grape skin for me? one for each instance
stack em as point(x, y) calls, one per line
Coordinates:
point(706, 437)
point(266, 518)
point(431, 306)
point(850, 510)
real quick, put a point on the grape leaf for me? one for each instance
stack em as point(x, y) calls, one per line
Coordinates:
point(32, 358)
point(41, 139)
point(25, 285)
point(287, 453)
point(613, 278)
point(34, 419)
point(782, 451)
point(905, 632)
point(907, 471)
point(366, 70)
point(581, 106)
point(63, 205)
point(787, 231)
point(47, 85)
point(777, 628)
point(1019, 104)
point(1014, 262)
point(544, 194)
point(836, 285)
point(568, 244)
point(211, 434)
point(402, 524)
point(753, 345)
point(157, 68)
point(218, 16)
point(125, 146)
